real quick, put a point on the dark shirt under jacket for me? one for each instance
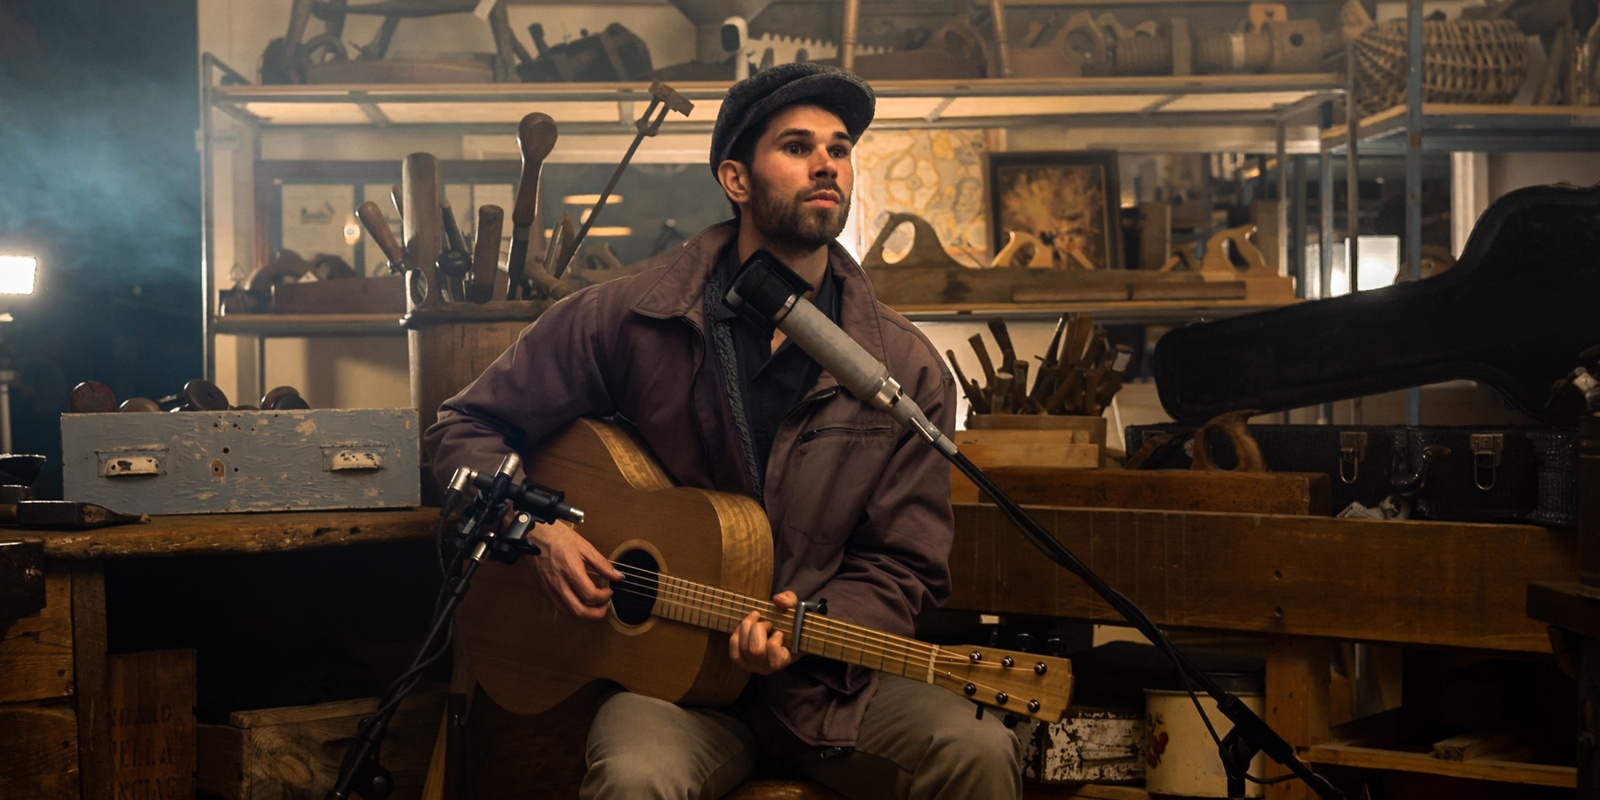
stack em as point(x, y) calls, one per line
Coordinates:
point(774, 383)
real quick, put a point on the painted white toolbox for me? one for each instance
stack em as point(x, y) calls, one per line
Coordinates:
point(199, 462)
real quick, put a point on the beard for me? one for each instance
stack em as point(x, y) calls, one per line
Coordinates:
point(787, 222)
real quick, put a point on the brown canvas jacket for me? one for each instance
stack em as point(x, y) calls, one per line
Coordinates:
point(860, 508)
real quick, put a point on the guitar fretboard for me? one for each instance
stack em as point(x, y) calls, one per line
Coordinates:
point(721, 610)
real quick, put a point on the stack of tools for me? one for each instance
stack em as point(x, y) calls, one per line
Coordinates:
point(199, 394)
point(441, 267)
point(1079, 373)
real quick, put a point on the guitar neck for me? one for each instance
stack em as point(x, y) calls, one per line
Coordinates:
point(720, 610)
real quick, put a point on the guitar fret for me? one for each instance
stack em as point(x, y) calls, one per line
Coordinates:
point(718, 609)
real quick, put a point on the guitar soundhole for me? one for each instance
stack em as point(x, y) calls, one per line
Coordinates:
point(635, 596)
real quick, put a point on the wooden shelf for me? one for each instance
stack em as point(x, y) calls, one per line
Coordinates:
point(1347, 754)
point(271, 325)
point(613, 107)
point(1458, 127)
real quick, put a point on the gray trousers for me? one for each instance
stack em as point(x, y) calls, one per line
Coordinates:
point(918, 742)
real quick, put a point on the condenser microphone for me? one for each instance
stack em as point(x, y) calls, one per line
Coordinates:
point(767, 291)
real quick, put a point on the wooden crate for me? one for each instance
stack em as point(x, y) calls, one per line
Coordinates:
point(152, 723)
point(295, 751)
point(1061, 447)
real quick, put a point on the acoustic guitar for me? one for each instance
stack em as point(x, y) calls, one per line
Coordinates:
point(697, 562)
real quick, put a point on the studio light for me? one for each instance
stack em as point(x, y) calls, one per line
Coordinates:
point(18, 274)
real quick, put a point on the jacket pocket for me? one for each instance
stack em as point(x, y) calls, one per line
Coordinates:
point(831, 475)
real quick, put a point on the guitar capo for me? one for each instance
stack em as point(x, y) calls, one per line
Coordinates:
point(800, 612)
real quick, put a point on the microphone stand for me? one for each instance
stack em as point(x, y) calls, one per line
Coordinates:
point(1250, 733)
point(359, 772)
point(767, 291)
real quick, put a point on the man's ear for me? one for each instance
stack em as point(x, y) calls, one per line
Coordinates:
point(735, 180)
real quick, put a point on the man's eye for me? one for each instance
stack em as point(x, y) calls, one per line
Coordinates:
point(793, 148)
point(840, 152)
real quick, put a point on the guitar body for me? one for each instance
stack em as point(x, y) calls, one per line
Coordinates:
point(529, 656)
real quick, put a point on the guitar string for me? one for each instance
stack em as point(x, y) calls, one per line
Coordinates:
point(740, 606)
point(936, 653)
point(848, 633)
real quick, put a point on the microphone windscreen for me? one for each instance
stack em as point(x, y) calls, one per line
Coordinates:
point(763, 287)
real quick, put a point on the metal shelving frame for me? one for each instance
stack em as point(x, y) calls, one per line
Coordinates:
point(1180, 104)
point(1416, 129)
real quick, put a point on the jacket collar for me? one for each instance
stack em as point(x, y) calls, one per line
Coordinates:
point(680, 287)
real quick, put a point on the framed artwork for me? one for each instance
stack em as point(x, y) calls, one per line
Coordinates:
point(1055, 209)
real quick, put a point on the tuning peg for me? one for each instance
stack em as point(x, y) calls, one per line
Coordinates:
point(1011, 720)
point(1024, 641)
point(1053, 646)
point(980, 710)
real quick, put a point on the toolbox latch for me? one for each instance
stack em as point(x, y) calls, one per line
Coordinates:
point(353, 460)
point(1352, 451)
point(123, 464)
point(1486, 449)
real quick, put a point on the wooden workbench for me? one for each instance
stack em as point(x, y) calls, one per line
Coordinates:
point(54, 693)
point(1300, 582)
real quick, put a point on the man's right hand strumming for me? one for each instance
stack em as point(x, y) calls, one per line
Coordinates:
point(565, 568)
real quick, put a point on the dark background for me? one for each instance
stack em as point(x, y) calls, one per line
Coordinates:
point(99, 178)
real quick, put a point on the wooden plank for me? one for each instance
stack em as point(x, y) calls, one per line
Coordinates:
point(41, 752)
point(1474, 744)
point(1436, 583)
point(1349, 755)
point(1296, 702)
point(242, 533)
point(36, 652)
point(152, 723)
point(92, 683)
point(1176, 490)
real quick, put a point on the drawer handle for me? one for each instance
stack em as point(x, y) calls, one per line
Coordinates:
point(125, 466)
point(355, 461)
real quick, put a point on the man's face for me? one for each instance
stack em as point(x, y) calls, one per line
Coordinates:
point(801, 178)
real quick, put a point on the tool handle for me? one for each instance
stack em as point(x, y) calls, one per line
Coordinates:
point(486, 248)
point(422, 228)
point(536, 135)
point(378, 228)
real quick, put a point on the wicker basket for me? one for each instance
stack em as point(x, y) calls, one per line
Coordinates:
point(1464, 61)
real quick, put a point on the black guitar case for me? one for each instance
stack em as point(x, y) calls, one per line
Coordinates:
point(1513, 313)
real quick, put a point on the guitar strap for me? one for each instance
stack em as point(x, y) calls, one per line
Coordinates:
point(728, 361)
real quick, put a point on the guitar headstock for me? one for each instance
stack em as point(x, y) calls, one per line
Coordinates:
point(1018, 683)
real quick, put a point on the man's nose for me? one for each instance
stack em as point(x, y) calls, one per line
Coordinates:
point(824, 165)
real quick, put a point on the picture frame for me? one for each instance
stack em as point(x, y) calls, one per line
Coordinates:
point(1066, 205)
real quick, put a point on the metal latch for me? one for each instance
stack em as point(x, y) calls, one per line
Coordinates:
point(123, 466)
point(1486, 449)
point(1352, 451)
point(355, 460)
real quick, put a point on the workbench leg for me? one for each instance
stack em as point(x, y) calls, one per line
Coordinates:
point(1296, 702)
point(91, 681)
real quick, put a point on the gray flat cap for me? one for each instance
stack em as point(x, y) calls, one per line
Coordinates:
point(755, 98)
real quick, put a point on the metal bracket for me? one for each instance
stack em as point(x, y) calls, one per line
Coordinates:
point(1352, 451)
point(1486, 449)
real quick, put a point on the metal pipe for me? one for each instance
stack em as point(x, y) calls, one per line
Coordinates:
point(1002, 40)
point(847, 41)
point(6, 377)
